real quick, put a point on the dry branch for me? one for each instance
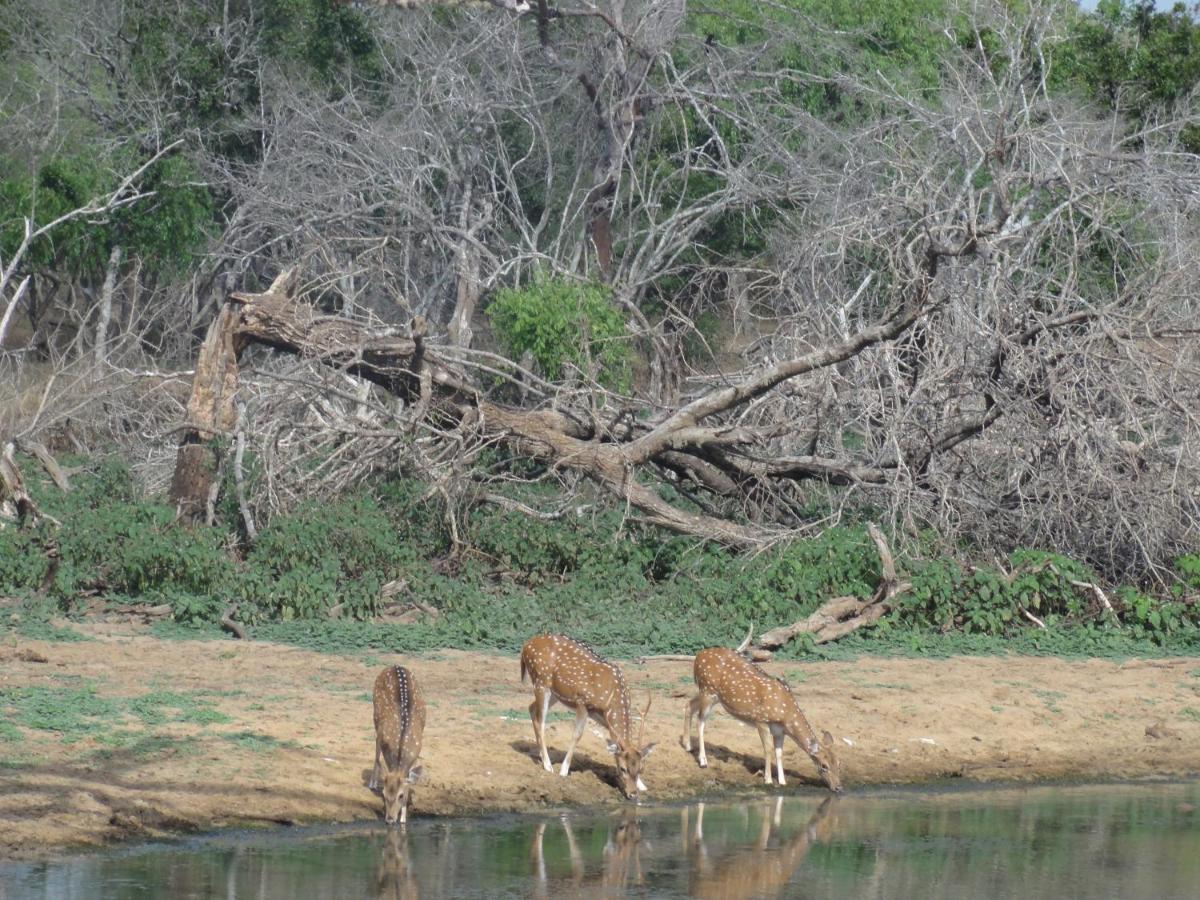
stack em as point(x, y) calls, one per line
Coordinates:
point(842, 615)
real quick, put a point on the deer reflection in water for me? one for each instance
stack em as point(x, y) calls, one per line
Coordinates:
point(622, 869)
point(394, 876)
point(756, 871)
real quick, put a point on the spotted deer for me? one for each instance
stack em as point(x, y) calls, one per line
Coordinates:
point(569, 671)
point(399, 726)
point(758, 870)
point(751, 695)
point(622, 865)
point(395, 878)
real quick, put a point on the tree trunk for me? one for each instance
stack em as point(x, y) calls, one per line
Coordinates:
point(106, 301)
point(210, 413)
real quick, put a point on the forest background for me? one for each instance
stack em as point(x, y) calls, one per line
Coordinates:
point(693, 294)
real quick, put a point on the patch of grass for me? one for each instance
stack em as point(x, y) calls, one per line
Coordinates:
point(31, 619)
point(1050, 699)
point(71, 712)
point(257, 742)
point(192, 708)
point(1190, 712)
point(9, 732)
point(997, 709)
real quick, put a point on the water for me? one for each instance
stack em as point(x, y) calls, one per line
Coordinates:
point(1104, 841)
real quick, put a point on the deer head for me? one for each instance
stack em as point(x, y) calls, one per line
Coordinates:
point(828, 765)
point(629, 758)
point(397, 790)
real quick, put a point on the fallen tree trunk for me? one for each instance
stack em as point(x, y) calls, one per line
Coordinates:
point(441, 391)
point(842, 615)
point(12, 488)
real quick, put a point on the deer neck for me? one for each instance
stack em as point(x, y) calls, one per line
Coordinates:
point(617, 717)
point(798, 729)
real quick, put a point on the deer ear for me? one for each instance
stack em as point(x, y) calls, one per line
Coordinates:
point(416, 775)
point(647, 750)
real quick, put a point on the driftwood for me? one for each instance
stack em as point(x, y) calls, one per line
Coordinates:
point(842, 615)
point(227, 622)
point(753, 653)
point(48, 462)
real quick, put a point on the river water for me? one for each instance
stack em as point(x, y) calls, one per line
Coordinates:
point(1119, 841)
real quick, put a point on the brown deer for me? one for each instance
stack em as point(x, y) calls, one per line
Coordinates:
point(399, 726)
point(755, 871)
point(622, 861)
point(394, 876)
point(571, 672)
point(751, 695)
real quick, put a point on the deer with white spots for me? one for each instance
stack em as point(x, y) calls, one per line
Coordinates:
point(751, 695)
point(570, 672)
point(399, 726)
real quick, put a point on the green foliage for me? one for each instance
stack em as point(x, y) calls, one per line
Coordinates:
point(1133, 59)
point(558, 322)
point(984, 601)
point(164, 231)
point(1188, 567)
point(23, 561)
point(326, 37)
point(71, 712)
point(626, 587)
point(320, 556)
point(31, 619)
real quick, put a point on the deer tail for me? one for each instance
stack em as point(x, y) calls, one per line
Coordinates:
point(524, 668)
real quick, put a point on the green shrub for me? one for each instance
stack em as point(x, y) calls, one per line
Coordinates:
point(558, 322)
point(320, 556)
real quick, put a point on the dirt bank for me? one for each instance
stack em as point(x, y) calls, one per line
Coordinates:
point(161, 737)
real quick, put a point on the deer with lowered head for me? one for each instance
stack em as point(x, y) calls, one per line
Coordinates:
point(399, 727)
point(570, 672)
point(751, 695)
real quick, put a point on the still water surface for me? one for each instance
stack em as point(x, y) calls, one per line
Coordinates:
point(1115, 841)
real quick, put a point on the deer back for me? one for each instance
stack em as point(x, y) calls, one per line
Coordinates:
point(746, 691)
point(575, 674)
point(399, 716)
point(758, 871)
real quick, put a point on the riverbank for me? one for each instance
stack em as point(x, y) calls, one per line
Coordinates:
point(126, 735)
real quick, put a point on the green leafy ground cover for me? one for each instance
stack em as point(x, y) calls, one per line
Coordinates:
point(628, 589)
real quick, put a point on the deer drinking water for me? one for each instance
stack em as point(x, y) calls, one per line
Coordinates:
point(569, 671)
point(399, 726)
point(751, 695)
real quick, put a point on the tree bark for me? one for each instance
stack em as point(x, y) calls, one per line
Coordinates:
point(210, 412)
point(106, 304)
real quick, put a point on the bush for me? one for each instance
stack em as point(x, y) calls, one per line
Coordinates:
point(559, 322)
point(320, 556)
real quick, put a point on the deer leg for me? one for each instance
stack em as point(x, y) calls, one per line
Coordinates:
point(777, 734)
point(580, 723)
point(537, 712)
point(706, 706)
point(764, 736)
point(693, 707)
point(375, 772)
